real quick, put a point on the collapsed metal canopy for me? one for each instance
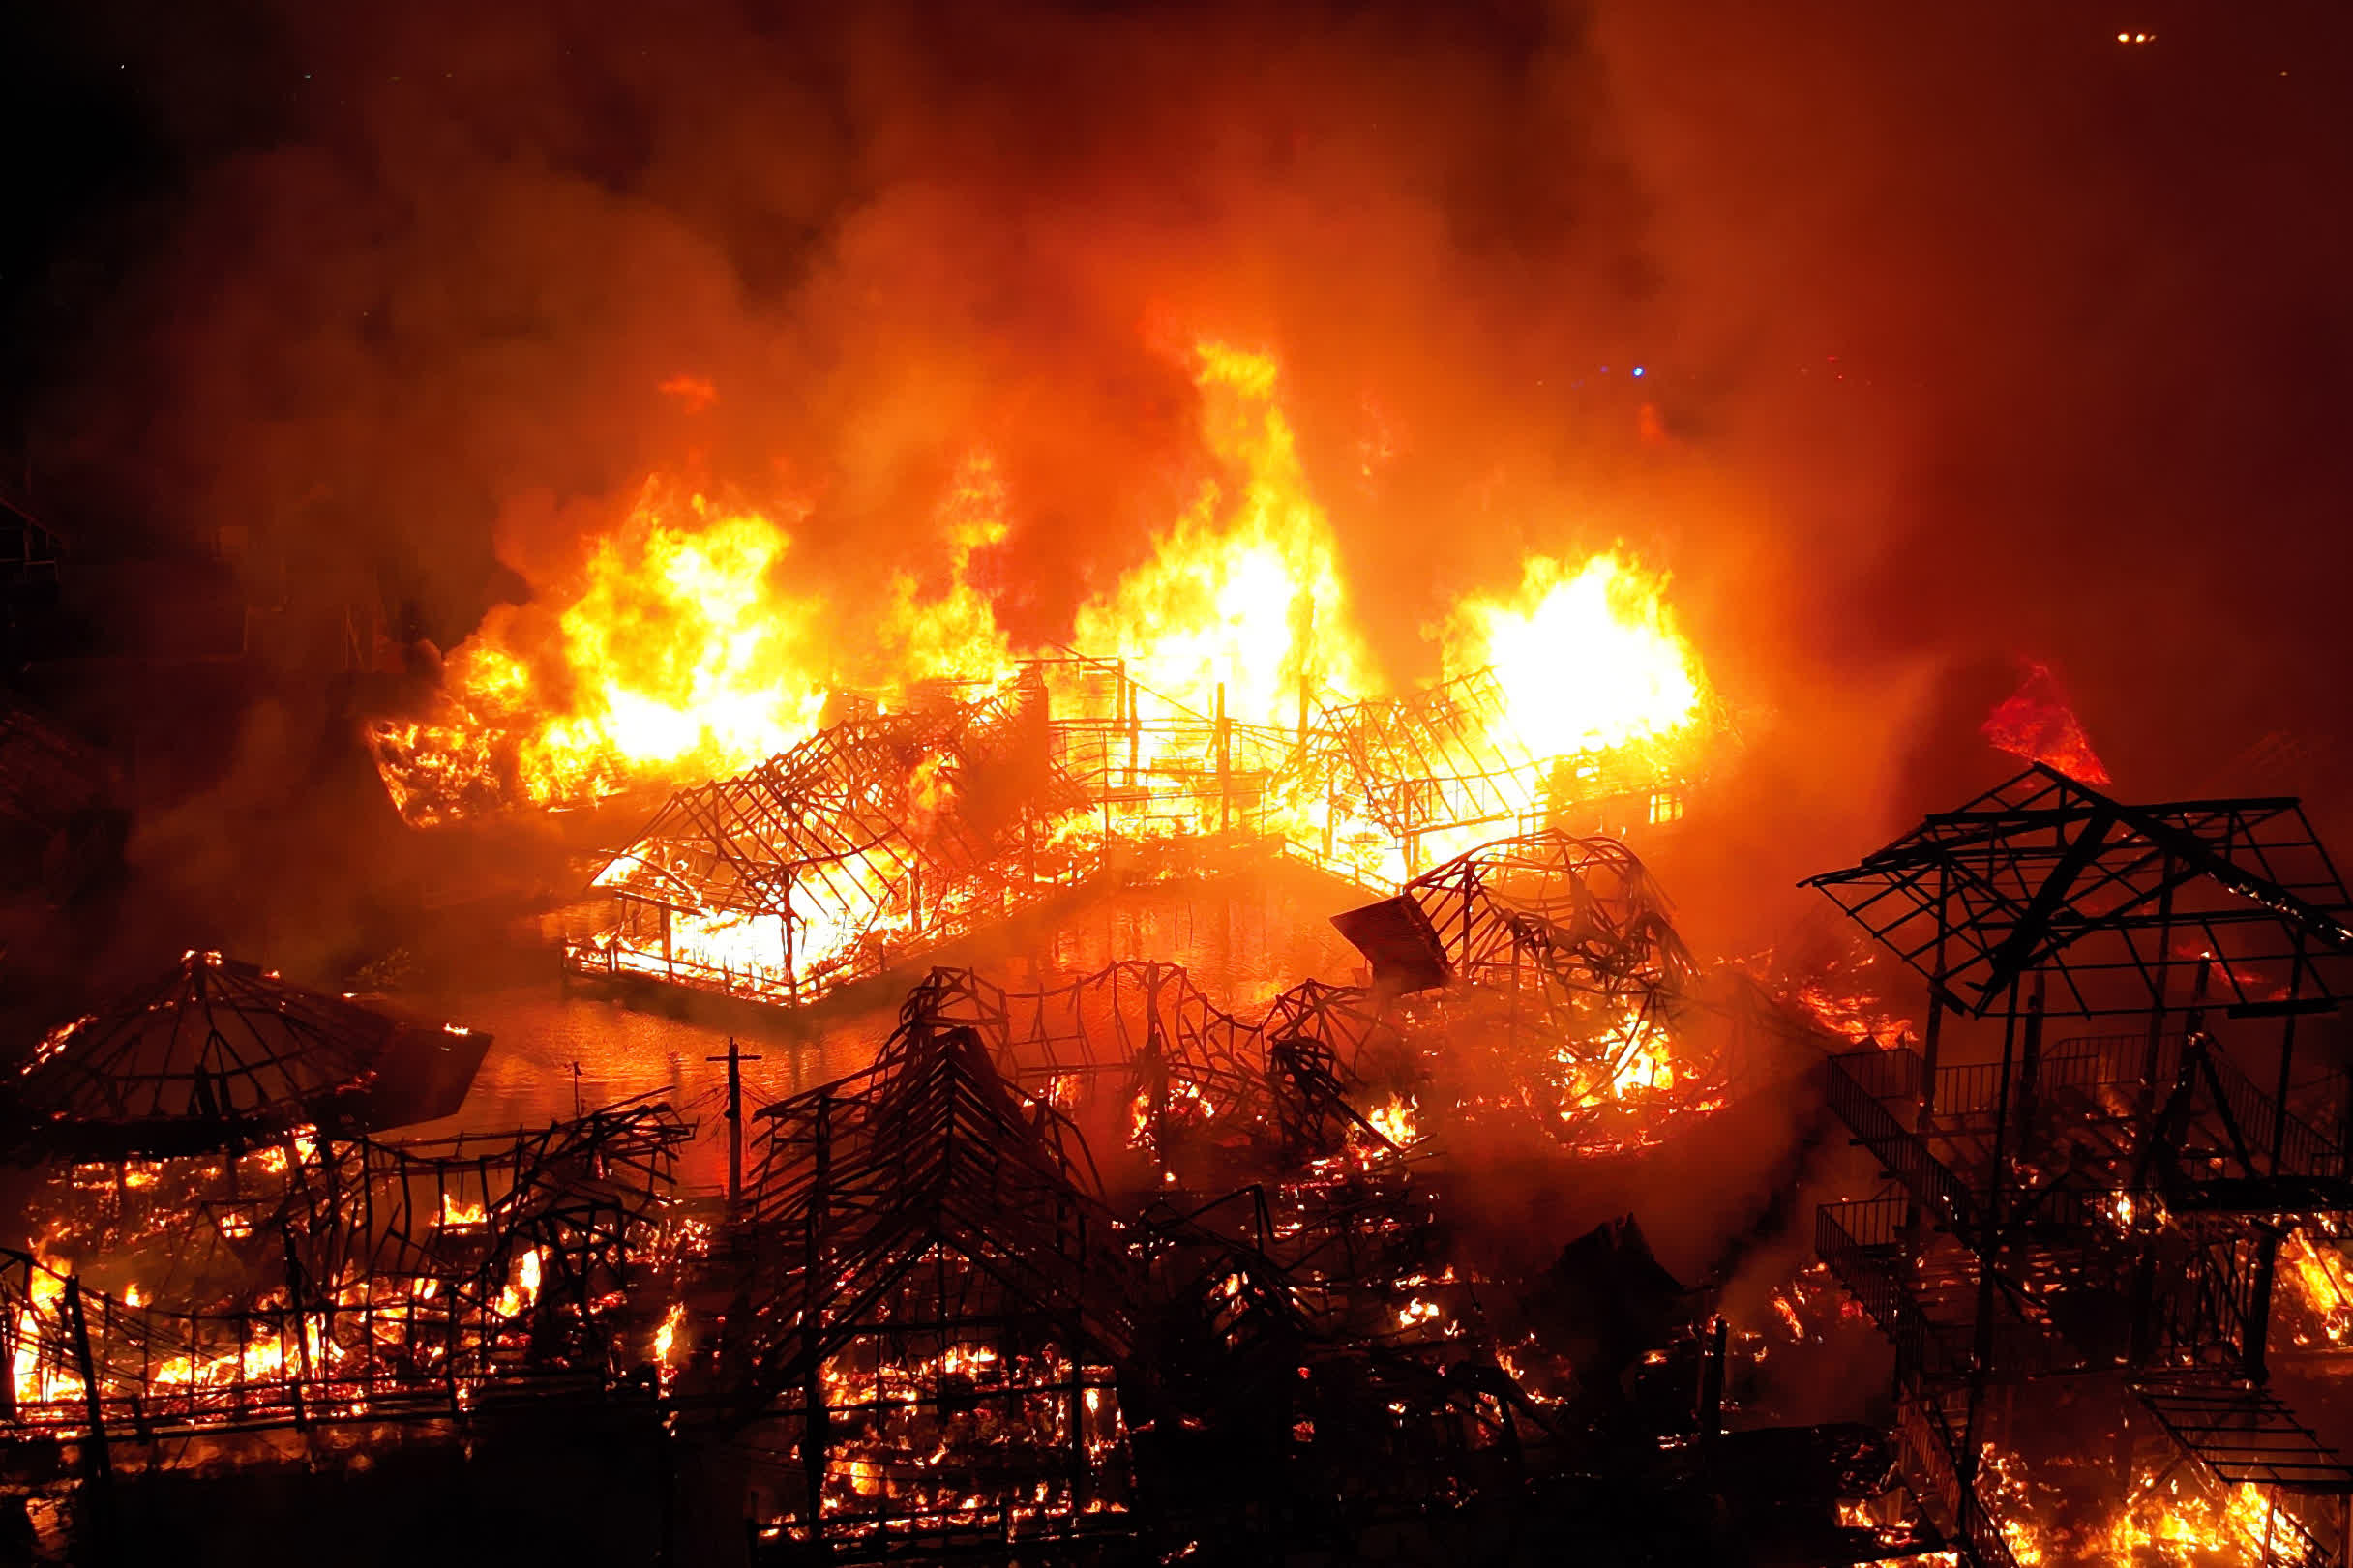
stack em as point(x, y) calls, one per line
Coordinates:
point(1195, 1078)
point(864, 1179)
point(929, 1269)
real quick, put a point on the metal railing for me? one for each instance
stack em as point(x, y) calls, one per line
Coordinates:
point(1849, 1081)
point(1859, 1241)
point(1933, 1461)
point(2304, 1150)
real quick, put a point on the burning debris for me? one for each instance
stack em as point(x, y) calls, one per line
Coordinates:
point(324, 1282)
point(1096, 1268)
point(1178, 1089)
point(932, 1301)
point(879, 838)
point(1397, 783)
point(949, 1329)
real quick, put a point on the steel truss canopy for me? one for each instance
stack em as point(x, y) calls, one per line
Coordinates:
point(866, 841)
point(2121, 908)
point(1143, 1034)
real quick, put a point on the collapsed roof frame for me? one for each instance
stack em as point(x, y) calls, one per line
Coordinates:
point(1145, 1036)
point(940, 1319)
point(825, 866)
point(1152, 767)
point(1435, 767)
point(1555, 943)
point(926, 1255)
point(1262, 1389)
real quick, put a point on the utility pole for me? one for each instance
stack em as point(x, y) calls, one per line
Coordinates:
point(734, 1058)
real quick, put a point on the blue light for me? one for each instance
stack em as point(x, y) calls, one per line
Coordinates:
point(1637, 370)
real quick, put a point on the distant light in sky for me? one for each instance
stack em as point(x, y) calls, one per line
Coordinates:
point(1637, 370)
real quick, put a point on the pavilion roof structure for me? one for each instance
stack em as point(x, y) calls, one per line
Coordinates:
point(2116, 905)
point(213, 1053)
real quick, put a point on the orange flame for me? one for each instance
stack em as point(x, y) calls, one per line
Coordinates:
point(1394, 1121)
point(1244, 592)
point(1588, 658)
point(684, 648)
point(2036, 723)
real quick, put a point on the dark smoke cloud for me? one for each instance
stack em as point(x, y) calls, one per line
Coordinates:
point(2091, 296)
point(1968, 334)
point(462, 266)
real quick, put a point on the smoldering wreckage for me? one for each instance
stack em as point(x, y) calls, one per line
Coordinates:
point(1118, 1262)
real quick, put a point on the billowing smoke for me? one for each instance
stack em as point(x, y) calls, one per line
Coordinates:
point(1962, 339)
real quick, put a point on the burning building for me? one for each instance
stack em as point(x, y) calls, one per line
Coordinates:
point(1106, 604)
point(2078, 1249)
point(1103, 1268)
point(863, 845)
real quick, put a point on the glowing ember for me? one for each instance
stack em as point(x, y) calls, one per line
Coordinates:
point(2171, 1523)
point(458, 1214)
point(55, 1041)
point(2323, 1284)
point(1628, 1060)
point(522, 1285)
point(666, 1343)
point(1862, 1019)
point(38, 1379)
point(1417, 1311)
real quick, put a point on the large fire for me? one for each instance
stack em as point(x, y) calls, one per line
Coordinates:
point(680, 654)
point(1243, 591)
point(685, 649)
point(1588, 657)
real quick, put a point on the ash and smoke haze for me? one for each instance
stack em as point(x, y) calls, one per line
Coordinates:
point(1967, 334)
